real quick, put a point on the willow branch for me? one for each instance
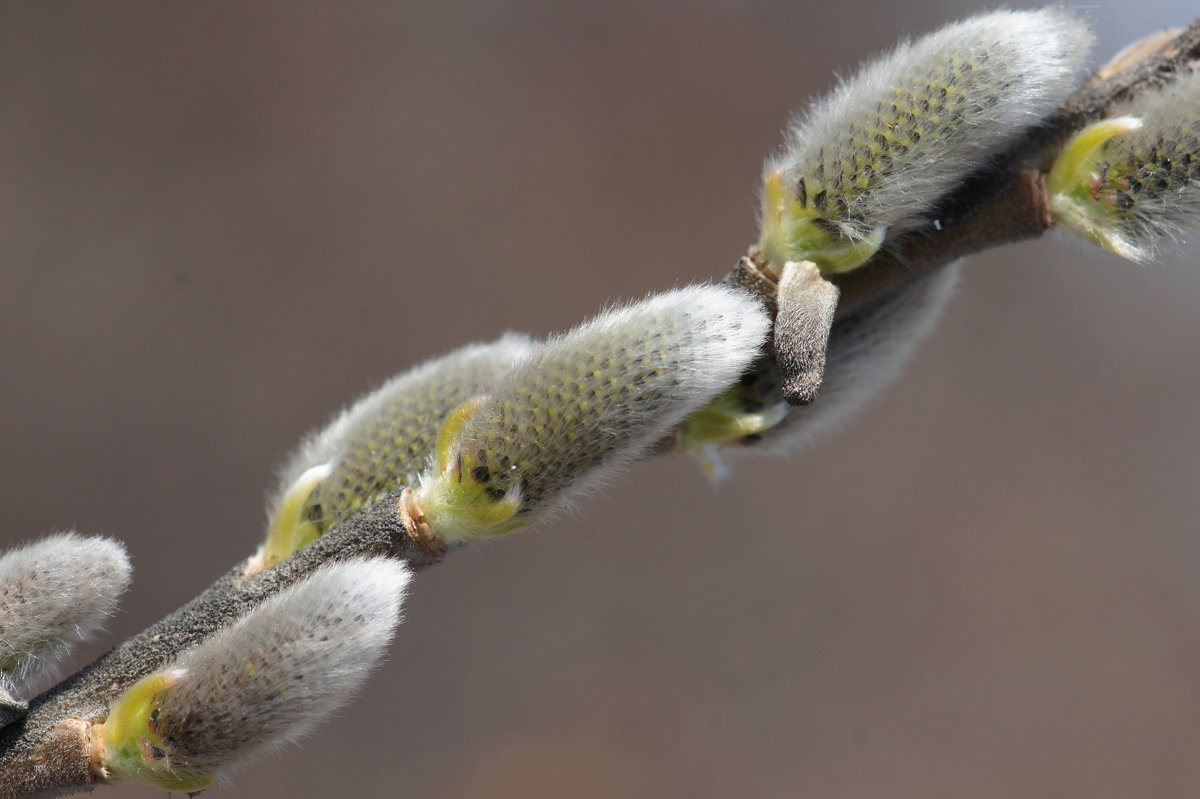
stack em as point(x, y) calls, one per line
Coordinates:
point(45, 752)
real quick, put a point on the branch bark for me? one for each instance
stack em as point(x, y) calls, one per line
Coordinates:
point(45, 753)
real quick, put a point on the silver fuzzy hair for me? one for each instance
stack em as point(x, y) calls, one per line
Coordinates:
point(1154, 171)
point(590, 401)
point(890, 141)
point(53, 593)
point(384, 439)
point(867, 352)
point(281, 669)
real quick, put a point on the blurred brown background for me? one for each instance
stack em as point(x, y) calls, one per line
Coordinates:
point(220, 221)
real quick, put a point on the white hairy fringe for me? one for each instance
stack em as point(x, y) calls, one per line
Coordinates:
point(487, 362)
point(53, 593)
point(284, 667)
point(1032, 61)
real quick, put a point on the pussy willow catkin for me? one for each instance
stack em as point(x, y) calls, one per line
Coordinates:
point(583, 406)
point(876, 154)
point(276, 673)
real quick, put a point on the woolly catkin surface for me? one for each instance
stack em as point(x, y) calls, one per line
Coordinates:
point(616, 383)
point(902, 132)
point(1152, 175)
point(53, 593)
point(546, 429)
point(281, 669)
point(384, 441)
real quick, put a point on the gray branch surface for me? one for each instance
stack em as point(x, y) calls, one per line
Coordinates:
point(45, 752)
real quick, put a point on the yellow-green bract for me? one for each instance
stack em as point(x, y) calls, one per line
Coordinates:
point(872, 158)
point(268, 679)
point(1131, 181)
point(584, 405)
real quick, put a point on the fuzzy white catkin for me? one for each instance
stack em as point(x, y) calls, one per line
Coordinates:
point(384, 439)
point(590, 401)
point(53, 593)
point(890, 141)
point(281, 669)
